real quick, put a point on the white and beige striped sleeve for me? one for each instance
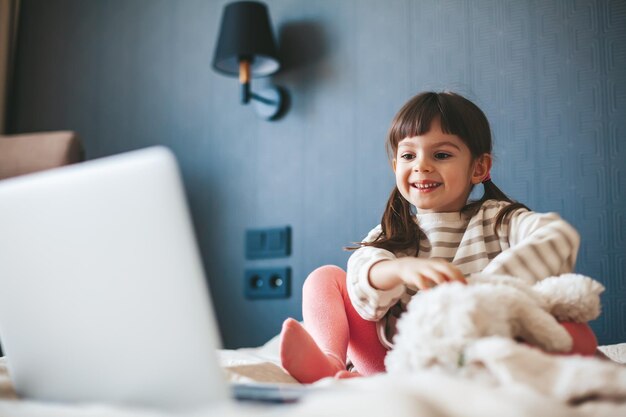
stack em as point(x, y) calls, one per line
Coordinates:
point(372, 304)
point(541, 245)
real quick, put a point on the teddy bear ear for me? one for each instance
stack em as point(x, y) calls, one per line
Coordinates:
point(596, 287)
point(571, 297)
point(583, 283)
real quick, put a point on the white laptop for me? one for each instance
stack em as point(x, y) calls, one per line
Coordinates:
point(102, 292)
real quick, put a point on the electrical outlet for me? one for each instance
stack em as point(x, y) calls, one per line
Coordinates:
point(268, 243)
point(267, 282)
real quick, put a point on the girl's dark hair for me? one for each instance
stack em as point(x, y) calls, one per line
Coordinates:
point(458, 116)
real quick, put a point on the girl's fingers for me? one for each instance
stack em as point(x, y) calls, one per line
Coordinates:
point(461, 278)
point(456, 275)
point(451, 272)
point(424, 283)
point(437, 275)
point(432, 272)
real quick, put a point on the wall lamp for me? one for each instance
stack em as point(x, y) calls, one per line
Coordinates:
point(246, 48)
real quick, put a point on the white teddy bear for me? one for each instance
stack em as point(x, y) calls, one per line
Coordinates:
point(441, 323)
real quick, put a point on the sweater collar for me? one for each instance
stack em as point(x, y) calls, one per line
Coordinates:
point(451, 218)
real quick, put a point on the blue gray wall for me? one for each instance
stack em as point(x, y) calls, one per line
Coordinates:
point(550, 74)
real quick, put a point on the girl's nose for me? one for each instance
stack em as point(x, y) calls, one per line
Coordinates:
point(422, 164)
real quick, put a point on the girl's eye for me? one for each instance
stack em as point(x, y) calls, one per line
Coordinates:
point(442, 155)
point(407, 156)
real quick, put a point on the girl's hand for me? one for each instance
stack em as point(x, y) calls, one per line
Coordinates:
point(427, 273)
point(418, 272)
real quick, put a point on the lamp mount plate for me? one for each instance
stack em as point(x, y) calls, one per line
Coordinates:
point(269, 102)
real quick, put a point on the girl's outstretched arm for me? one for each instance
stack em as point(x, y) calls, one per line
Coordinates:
point(416, 272)
point(377, 278)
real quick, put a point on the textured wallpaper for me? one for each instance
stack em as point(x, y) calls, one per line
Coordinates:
point(550, 75)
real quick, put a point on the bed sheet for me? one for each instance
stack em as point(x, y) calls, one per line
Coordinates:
point(427, 393)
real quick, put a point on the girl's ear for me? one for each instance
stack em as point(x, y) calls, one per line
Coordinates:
point(482, 166)
point(394, 162)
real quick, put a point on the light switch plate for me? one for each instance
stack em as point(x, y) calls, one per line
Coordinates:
point(268, 243)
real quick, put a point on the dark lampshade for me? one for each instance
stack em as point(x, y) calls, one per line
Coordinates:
point(246, 32)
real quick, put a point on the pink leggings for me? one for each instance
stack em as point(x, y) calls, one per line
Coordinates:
point(337, 328)
point(334, 324)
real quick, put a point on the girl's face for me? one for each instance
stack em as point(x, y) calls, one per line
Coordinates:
point(435, 171)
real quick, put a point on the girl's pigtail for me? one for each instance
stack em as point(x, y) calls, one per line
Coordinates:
point(398, 221)
point(399, 229)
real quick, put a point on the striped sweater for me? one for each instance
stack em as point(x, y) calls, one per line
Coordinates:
point(530, 244)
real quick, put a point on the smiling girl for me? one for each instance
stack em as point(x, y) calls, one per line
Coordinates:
point(430, 234)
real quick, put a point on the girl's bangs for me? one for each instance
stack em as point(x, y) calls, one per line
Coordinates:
point(415, 120)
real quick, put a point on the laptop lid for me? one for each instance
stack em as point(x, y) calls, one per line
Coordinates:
point(102, 292)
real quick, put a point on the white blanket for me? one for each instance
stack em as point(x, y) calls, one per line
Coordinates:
point(570, 379)
point(427, 393)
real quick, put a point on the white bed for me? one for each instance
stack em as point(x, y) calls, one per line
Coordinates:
point(424, 394)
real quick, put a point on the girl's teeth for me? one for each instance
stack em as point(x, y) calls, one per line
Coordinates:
point(426, 185)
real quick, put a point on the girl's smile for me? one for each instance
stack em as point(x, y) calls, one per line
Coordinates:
point(425, 186)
